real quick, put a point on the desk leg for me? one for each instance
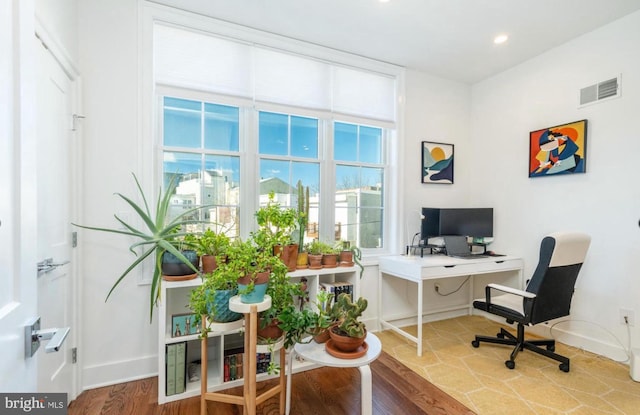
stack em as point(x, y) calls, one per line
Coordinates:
point(366, 395)
point(420, 308)
point(291, 357)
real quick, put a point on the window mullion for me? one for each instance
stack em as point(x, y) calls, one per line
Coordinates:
point(327, 183)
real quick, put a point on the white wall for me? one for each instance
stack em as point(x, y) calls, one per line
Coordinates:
point(436, 110)
point(119, 343)
point(604, 202)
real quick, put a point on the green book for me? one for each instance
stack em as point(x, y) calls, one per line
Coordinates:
point(181, 366)
point(171, 369)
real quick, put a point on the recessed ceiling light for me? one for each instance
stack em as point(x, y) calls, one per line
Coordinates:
point(500, 39)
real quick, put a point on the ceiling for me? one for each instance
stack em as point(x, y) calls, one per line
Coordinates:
point(452, 39)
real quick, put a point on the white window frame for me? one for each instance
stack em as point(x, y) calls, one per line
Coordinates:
point(249, 157)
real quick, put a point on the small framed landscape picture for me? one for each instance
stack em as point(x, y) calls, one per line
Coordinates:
point(437, 162)
point(183, 325)
point(558, 150)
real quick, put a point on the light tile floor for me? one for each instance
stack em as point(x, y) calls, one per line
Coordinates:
point(478, 378)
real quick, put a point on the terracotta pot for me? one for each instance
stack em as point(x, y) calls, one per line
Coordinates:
point(271, 331)
point(209, 263)
point(330, 260)
point(315, 261)
point(322, 336)
point(346, 258)
point(303, 260)
point(288, 254)
point(345, 343)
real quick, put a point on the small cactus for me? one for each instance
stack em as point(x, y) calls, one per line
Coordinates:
point(346, 314)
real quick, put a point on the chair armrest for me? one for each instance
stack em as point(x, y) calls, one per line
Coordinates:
point(514, 291)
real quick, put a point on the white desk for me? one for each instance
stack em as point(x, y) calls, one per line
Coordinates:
point(431, 267)
point(316, 353)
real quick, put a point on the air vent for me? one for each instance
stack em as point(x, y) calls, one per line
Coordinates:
point(600, 91)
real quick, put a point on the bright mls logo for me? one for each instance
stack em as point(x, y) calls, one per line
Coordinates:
point(33, 403)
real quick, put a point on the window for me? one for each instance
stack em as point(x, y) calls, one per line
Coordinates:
point(359, 206)
point(200, 143)
point(288, 148)
point(241, 119)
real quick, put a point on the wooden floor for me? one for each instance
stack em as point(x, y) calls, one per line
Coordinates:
point(334, 391)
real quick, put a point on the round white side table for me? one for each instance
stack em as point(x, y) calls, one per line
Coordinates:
point(317, 353)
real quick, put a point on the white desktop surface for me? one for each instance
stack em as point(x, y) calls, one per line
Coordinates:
point(418, 269)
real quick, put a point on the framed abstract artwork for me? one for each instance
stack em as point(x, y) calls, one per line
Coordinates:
point(558, 150)
point(437, 162)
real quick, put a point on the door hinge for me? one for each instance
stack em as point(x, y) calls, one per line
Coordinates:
point(74, 355)
point(74, 239)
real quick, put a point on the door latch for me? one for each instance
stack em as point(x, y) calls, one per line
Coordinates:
point(47, 265)
point(33, 335)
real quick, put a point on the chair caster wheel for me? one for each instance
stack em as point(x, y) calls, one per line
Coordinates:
point(564, 367)
point(510, 364)
point(475, 343)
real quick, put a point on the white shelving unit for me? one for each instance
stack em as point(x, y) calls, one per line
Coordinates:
point(175, 300)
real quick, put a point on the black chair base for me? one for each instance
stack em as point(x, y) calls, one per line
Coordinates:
point(506, 338)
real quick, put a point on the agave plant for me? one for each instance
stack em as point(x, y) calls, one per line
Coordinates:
point(162, 234)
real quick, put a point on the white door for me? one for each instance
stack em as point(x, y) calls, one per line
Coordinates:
point(17, 194)
point(55, 173)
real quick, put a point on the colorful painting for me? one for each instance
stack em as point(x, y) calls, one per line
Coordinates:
point(437, 162)
point(558, 150)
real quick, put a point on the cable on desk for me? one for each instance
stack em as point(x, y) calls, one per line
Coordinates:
point(456, 290)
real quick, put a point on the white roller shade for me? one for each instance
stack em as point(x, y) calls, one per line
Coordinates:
point(287, 79)
point(196, 60)
point(363, 93)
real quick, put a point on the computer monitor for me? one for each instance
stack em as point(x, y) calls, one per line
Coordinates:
point(473, 222)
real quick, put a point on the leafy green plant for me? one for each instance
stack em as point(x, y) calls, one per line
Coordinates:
point(316, 247)
point(303, 214)
point(276, 224)
point(201, 300)
point(346, 314)
point(245, 258)
point(162, 234)
point(209, 242)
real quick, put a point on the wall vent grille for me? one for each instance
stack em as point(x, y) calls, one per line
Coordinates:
point(600, 91)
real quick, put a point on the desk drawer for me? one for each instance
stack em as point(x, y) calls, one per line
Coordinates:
point(474, 268)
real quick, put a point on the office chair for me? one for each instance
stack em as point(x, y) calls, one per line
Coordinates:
point(547, 296)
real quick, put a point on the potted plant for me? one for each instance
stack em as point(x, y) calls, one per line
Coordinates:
point(212, 297)
point(348, 332)
point(162, 234)
point(252, 266)
point(329, 256)
point(211, 247)
point(314, 249)
point(283, 293)
point(350, 254)
point(276, 225)
point(324, 319)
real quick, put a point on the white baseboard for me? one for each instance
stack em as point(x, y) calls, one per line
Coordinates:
point(117, 372)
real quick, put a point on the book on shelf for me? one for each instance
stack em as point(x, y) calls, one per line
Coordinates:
point(337, 288)
point(181, 366)
point(234, 360)
point(171, 350)
point(176, 368)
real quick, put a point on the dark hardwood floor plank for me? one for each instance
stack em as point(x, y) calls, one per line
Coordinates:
point(323, 391)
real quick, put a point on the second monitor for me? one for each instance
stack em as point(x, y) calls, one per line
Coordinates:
point(473, 222)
